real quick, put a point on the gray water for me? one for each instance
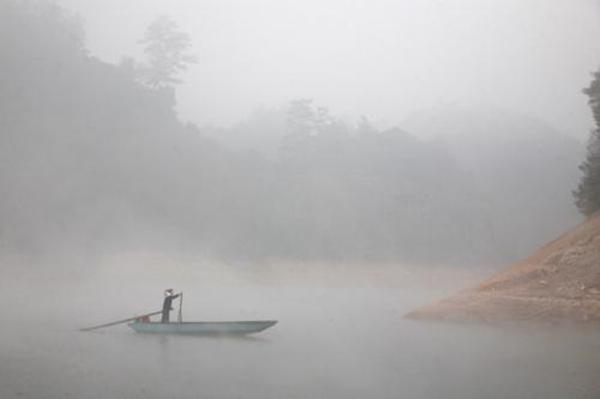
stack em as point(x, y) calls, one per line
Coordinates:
point(333, 340)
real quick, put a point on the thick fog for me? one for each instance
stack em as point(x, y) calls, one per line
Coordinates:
point(329, 164)
point(379, 58)
point(340, 334)
point(96, 158)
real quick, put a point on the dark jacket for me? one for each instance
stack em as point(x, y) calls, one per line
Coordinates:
point(166, 309)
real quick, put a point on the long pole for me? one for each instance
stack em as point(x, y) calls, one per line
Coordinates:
point(114, 323)
point(180, 318)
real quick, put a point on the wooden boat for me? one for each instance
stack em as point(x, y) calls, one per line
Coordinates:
point(202, 327)
point(142, 324)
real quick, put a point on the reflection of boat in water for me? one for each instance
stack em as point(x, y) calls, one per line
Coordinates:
point(202, 327)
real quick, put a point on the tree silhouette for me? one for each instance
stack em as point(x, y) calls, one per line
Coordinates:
point(166, 48)
point(587, 195)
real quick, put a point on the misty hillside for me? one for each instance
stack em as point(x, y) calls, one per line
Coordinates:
point(560, 282)
point(94, 158)
point(523, 168)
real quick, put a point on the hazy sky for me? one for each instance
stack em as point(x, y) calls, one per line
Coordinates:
point(381, 58)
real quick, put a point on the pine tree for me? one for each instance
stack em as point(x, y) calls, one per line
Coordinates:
point(587, 195)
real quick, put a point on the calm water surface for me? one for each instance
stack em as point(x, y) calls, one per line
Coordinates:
point(331, 342)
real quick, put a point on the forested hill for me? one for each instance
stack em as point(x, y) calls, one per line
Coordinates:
point(88, 154)
point(94, 159)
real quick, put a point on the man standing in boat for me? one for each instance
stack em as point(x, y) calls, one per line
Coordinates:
point(166, 309)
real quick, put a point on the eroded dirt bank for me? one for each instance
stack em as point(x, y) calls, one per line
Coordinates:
point(560, 283)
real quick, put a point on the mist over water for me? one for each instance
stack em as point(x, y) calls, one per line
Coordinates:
point(331, 165)
point(337, 337)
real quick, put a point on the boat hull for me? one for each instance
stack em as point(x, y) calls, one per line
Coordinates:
point(203, 327)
